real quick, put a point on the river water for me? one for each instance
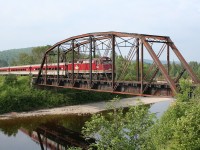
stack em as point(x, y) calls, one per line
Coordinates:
point(51, 132)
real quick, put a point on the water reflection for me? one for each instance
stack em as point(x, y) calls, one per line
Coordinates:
point(51, 132)
point(54, 136)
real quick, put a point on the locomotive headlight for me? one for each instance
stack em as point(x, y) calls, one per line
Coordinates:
point(97, 67)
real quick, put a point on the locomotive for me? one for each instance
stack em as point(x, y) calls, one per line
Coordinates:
point(101, 66)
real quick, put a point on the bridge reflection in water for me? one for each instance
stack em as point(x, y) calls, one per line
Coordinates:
point(56, 137)
point(52, 132)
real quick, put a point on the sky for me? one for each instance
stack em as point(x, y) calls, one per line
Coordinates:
point(28, 23)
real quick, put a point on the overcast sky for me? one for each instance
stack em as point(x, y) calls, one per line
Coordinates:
point(27, 23)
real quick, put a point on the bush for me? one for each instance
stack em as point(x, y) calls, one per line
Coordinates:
point(118, 130)
point(179, 126)
point(16, 94)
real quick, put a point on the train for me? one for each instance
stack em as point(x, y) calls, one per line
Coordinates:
point(101, 66)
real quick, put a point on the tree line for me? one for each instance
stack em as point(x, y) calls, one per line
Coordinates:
point(36, 54)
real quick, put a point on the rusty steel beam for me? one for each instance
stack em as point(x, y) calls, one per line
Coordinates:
point(168, 59)
point(40, 141)
point(41, 67)
point(141, 69)
point(113, 62)
point(46, 69)
point(90, 55)
point(179, 76)
point(151, 80)
point(94, 47)
point(137, 59)
point(160, 66)
point(183, 61)
point(90, 38)
point(72, 75)
point(119, 34)
point(58, 64)
point(100, 90)
point(105, 34)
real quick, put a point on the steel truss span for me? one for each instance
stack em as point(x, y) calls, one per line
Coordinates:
point(114, 62)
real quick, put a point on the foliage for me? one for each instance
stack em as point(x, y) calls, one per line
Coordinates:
point(16, 94)
point(126, 69)
point(185, 91)
point(3, 63)
point(10, 80)
point(179, 126)
point(8, 56)
point(119, 129)
point(34, 57)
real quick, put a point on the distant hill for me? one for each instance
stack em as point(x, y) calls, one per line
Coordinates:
point(8, 55)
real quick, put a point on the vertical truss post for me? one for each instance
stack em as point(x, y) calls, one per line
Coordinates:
point(90, 82)
point(94, 48)
point(57, 145)
point(168, 60)
point(137, 59)
point(183, 61)
point(40, 140)
point(113, 62)
point(72, 63)
point(46, 69)
point(141, 68)
point(65, 67)
point(78, 52)
point(160, 66)
point(58, 64)
point(41, 68)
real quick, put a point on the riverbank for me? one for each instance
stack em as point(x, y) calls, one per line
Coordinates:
point(16, 95)
point(90, 108)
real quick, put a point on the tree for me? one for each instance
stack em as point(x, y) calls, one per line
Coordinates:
point(38, 53)
point(119, 130)
point(24, 59)
point(179, 126)
point(3, 63)
point(35, 57)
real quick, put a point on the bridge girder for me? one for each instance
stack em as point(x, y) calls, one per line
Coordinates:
point(110, 41)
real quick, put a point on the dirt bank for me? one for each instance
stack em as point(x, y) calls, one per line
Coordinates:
point(89, 108)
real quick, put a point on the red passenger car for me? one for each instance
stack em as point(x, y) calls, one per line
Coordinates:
point(101, 66)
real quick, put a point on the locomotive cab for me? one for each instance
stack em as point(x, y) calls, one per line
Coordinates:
point(105, 60)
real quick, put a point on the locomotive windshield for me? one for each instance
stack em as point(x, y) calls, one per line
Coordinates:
point(106, 60)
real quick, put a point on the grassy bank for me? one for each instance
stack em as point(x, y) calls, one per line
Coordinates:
point(17, 95)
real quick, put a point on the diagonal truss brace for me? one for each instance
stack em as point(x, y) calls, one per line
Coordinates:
point(182, 60)
point(160, 66)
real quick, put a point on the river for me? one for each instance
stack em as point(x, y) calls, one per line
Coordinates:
point(61, 130)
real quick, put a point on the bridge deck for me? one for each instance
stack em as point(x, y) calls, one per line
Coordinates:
point(120, 87)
